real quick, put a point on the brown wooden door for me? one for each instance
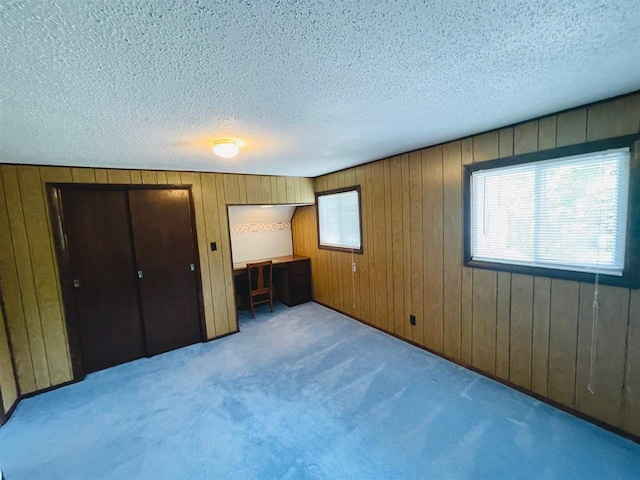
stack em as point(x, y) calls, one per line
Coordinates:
point(105, 294)
point(165, 253)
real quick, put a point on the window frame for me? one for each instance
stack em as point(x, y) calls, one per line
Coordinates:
point(334, 191)
point(631, 272)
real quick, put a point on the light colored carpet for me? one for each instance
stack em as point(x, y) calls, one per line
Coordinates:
point(302, 393)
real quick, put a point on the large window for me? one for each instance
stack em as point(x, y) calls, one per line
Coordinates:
point(557, 216)
point(339, 219)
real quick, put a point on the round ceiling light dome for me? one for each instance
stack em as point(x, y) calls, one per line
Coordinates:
point(226, 148)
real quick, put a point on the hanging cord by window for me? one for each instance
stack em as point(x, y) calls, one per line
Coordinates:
point(353, 270)
point(594, 337)
point(353, 279)
point(595, 309)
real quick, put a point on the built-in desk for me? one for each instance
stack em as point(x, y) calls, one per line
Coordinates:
point(291, 278)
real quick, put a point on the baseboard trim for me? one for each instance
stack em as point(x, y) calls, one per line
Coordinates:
point(221, 336)
point(51, 388)
point(5, 418)
point(537, 396)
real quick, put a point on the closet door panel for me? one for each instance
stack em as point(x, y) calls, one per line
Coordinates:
point(105, 295)
point(165, 254)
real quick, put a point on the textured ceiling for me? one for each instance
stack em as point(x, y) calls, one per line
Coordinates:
point(309, 86)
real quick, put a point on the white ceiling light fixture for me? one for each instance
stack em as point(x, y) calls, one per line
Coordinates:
point(226, 148)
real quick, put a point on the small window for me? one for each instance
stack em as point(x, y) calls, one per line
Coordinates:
point(553, 217)
point(339, 219)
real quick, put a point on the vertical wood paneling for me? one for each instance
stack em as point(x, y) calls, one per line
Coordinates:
point(160, 176)
point(26, 281)
point(291, 189)
point(136, 177)
point(225, 248)
point(297, 188)
point(307, 190)
point(173, 178)
point(503, 300)
point(371, 235)
point(612, 119)
point(55, 175)
point(380, 250)
point(389, 244)
point(352, 299)
point(265, 183)
point(563, 337)
point(542, 298)
point(44, 273)
point(485, 282)
point(521, 330)
point(505, 142)
point(547, 133)
point(484, 320)
point(540, 335)
point(254, 190)
point(467, 280)
point(362, 260)
point(119, 176)
point(416, 332)
point(432, 218)
point(13, 300)
point(101, 175)
point(397, 247)
point(452, 238)
point(605, 402)
point(29, 271)
point(274, 189)
point(242, 188)
point(335, 280)
point(8, 385)
point(528, 330)
point(83, 175)
point(571, 127)
point(212, 232)
point(320, 276)
point(503, 325)
point(231, 189)
point(406, 244)
point(343, 261)
point(631, 406)
point(282, 189)
point(193, 179)
point(525, 138)
point(336, 267)
point(151, 178)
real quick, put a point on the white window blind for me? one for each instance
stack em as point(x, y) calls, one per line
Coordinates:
point(339, 220)
point(568, 213)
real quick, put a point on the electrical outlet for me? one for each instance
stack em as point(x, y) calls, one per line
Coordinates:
point(214, 247)
point(412, 319)
point(353, 267)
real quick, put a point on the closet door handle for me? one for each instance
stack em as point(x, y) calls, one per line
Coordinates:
point(140, 275)
point(76, 283)
point(192, 267)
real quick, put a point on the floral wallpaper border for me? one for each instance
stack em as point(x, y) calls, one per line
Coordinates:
point(242, 228)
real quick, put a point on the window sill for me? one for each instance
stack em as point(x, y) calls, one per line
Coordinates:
point(627, 280)
point(342, 249)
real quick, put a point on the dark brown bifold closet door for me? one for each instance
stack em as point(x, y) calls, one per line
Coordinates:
point(165, 254)
point(105, 294)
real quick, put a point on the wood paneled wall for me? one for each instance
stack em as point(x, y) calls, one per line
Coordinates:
point(531, 331)
point(8, 387)
point(28, 269)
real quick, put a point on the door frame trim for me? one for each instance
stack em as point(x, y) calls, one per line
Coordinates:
point(54, 197)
